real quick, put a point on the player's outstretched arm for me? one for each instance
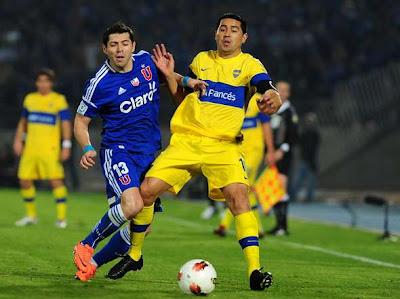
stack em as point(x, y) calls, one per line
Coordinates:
point(20, 132)
point(81, 132)
point(270, 102)
point(165, 63)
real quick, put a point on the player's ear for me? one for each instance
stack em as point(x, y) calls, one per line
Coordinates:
point(244, 38)
point(104, 49)
point(133, 46)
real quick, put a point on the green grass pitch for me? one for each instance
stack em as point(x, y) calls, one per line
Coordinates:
point(315, 261)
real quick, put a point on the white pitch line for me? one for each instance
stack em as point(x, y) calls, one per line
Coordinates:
point(363, 259)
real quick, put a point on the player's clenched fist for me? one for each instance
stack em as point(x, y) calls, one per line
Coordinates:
point(88, 159)
point(270, 102)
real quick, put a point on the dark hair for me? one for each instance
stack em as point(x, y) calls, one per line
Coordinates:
point(49, 73)
point(229, 15)
point(118, 27)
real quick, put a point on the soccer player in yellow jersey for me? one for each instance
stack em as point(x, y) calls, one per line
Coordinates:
point(257, 134)
point(204, 130)
point(44, 122)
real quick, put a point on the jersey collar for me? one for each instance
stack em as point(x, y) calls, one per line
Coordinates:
point(107, 63)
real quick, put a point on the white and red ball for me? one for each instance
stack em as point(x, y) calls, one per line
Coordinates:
point(197, 277)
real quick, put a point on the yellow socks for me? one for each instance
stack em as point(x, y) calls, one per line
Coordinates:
point(226, 219)
point(247, 235)
point(60, 195)
point(138, 228)
point(29, 196)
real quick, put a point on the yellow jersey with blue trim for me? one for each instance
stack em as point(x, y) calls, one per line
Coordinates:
point(253, 135)
point(44, 114)
point(220, 112)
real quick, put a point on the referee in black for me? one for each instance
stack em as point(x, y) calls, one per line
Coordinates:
point(284, 126)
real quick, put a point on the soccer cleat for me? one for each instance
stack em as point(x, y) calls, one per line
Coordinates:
point(260, 280)
point(220, 231)
point(277, 231)
point(125, 265)
point(208, 212)
point(88, 274)
point(61, 224)
point(82, 256)
point(158, 208)
point(26, 221)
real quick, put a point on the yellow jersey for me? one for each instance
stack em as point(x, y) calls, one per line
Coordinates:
point(220, 112)
point(44, 114)
point(253, 135)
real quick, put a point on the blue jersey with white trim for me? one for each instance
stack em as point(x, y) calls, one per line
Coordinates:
point(128, 104)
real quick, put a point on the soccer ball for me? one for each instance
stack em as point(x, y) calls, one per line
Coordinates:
point(197, 277)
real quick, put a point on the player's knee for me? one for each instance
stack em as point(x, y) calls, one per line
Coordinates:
point(238, 200)
point(131, 206)
point(147, 193)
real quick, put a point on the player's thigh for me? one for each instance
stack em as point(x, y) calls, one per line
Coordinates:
point(176, 164)
point(119, 172)
point(223, 169)
point(151, 188)
point(27, 168)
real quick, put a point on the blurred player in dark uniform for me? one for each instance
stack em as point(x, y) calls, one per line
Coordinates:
point(284, 126)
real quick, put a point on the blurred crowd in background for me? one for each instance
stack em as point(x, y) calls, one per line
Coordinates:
point(313, 46)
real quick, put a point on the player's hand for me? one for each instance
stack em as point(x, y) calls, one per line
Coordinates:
point(198, 85)
point(270, 102)
point(65, 154)
point(269, 158)
point(18, 147)
point(163, 60)
point(88, 159)
point(278, 155)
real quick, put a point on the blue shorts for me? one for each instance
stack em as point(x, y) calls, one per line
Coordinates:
point(123, 170)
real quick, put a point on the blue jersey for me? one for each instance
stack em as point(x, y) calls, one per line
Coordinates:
point(128, 104)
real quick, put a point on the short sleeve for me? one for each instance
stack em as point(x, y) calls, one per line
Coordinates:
point(64, 112)
point(257, 72)
point(264, 118)
point(92, 99)
point(194, 66)
point(25, 109)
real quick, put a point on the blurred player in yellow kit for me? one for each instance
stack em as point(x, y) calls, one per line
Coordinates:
point(45, 120)
point(257, 134)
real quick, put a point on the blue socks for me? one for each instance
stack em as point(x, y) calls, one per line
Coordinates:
point(118, 246)
point(107, 225)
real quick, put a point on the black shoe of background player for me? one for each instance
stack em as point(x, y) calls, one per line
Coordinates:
point(220, 231)
point(158, 208)
point(278, 231)
point(125, 265)
point(260, 280)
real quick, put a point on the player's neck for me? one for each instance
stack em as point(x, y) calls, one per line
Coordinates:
point(45, 93)
point(122, 69)
point(227, 55)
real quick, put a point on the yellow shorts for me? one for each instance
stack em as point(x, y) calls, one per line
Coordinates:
point(40, 167)
point(254, 157)
point(220, 161)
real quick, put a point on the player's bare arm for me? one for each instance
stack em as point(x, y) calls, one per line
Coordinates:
point(269, 142)
point(81, 132)
point(20, 132)
point(66, 131)
point(175, 82)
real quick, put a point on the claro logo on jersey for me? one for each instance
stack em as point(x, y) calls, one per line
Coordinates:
point(133, 103)
point(230, 96)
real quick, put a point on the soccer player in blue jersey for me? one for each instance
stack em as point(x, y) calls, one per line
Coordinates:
point(125, 94)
